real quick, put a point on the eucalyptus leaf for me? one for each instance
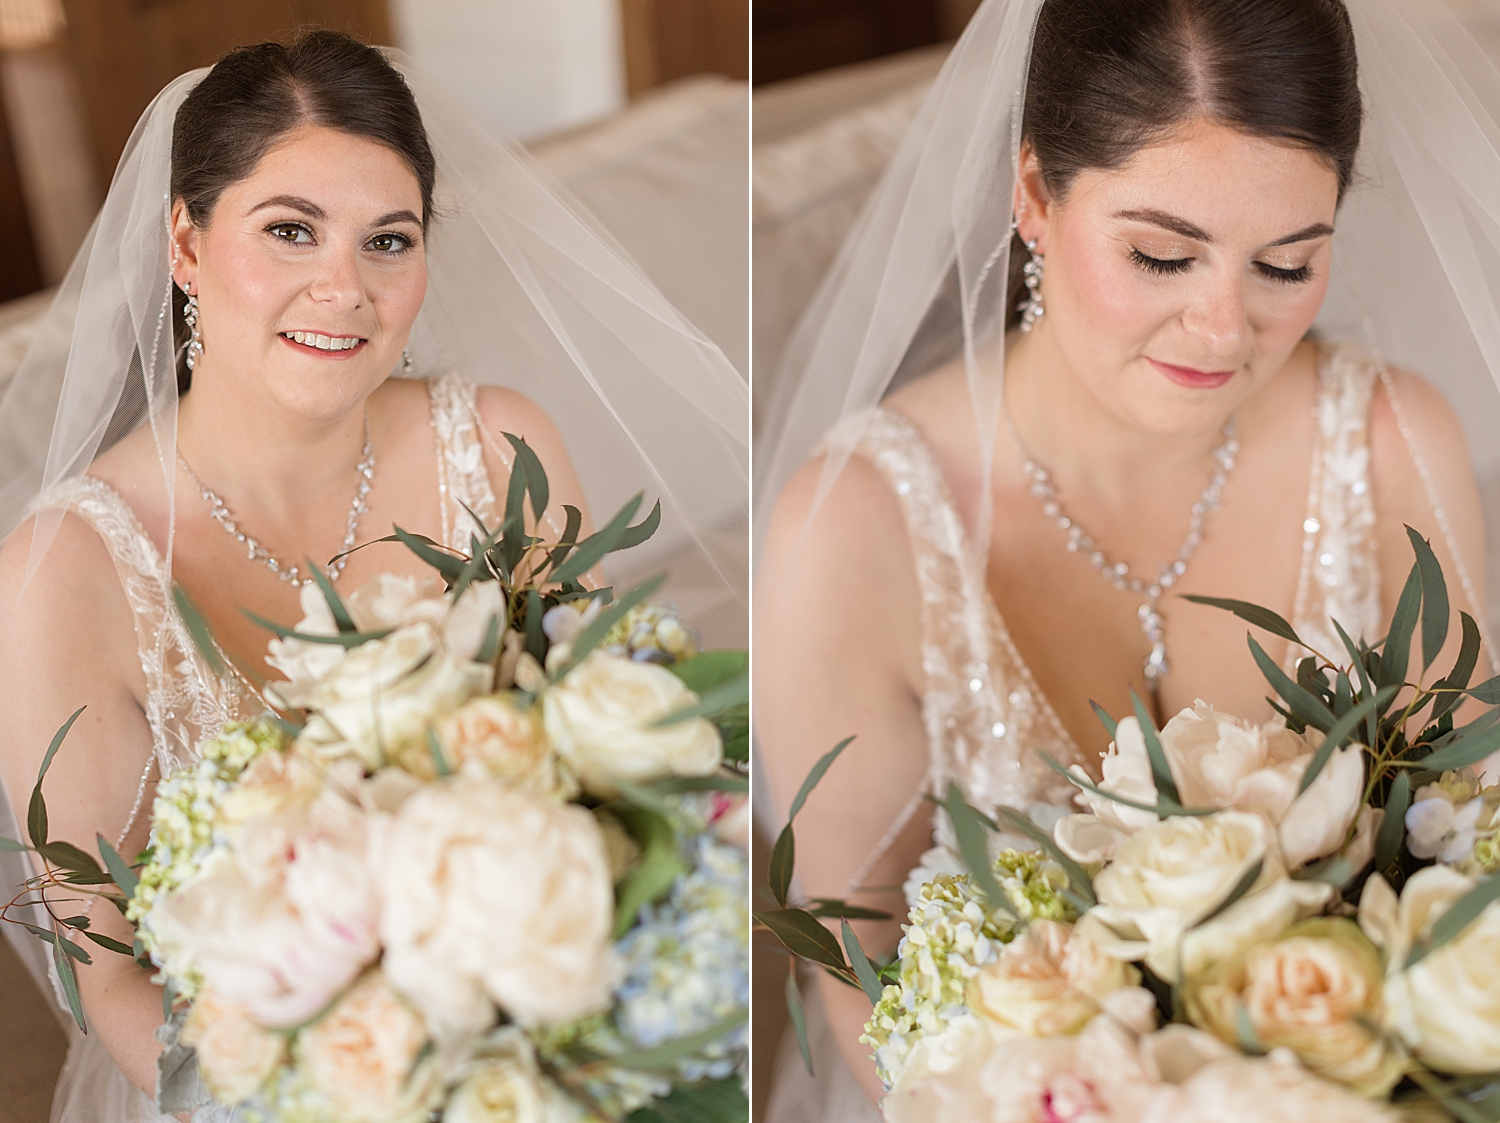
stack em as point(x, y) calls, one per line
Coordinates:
point(666, 1055)
point(1366, 684)
point(1249, 1040)
point(593, 548)
point(69, 857)
point(1340, 733)
point(435, 750)
point(677, 785)
point(1434, 598)
point(336, 605)
point(1487, 691)
point(111, 944)
point(348, 640)
point(433, 553)
point(783, 862)
point(1459, 916)
point(559, 553)
point(799, 1018)
point(68, 979)
point(709, 668)
point(1396, 652)
point(123, 875)
point(802, 935)
point(828, 908)
point(1105, 720)
point(717, 699)
point(491, 645)
point(536, 636)
point(1262, 618)
point(1162, 808)
point(536, 475)
point(36, 816)
point(862, 969)
point(1393, 825)
point(1077, 876)
point(1464, 751)
point(12, 844)
point(635, 535)
point(973, 847)
point(197, 628)
point(654, 873)
point(1161, 770)
point(1306, 705)
point(1457, 679)
point(706, 1101)
point(815, 775)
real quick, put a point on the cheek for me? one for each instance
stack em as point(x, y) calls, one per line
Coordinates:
point(1287, 314)
point(256, 286)
point(1110, 297)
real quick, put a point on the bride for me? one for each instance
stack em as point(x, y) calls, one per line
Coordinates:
point(310, 220)
point(957, 564)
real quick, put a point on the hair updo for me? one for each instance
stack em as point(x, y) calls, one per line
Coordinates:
point(1110, 77)
point(254, 96)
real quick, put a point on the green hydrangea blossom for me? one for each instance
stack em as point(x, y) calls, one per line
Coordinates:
point(949, 938)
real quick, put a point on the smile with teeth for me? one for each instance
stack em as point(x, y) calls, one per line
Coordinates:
point(323, 342)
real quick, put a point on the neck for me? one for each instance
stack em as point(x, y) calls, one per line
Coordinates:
point(1086, 447)
point(260, 456)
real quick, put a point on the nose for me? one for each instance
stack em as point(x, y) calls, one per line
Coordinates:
point(1217, 315)
point(338, 282)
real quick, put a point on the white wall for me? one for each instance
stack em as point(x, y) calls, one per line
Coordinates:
point(529, 67)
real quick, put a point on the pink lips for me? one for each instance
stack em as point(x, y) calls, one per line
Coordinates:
point(1193, 379)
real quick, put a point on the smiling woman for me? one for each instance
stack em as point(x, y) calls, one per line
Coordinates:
point(276, 347)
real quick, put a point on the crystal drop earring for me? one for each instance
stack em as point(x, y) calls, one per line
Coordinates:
point(190, 317)
point(406, 363)
point(1032, 310)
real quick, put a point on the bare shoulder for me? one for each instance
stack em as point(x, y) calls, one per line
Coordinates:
point(1433, 432)
point(503, 410)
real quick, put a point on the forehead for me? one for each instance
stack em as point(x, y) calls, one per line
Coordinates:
point(1219, 179)
point(343, 174)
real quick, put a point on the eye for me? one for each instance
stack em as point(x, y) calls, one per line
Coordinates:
point(389, 243)
point(1300, 275)
point(1159, 266)
point(293, 233)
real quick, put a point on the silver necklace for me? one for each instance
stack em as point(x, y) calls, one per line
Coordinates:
point(1118, 573)
point(219, 512)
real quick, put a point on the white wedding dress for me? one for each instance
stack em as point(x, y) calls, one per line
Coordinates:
point(986, 720)
point(187, 703)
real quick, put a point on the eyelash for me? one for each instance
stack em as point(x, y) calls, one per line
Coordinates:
point(1174, 266)
point(405, 243)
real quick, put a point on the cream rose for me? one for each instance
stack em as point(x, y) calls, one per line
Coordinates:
point(1167, 878)
point(1047, 981)
point(1221, 761)
point(284, 918)
point(379, 702)
point(1271, 1089)
point(1316, 989)
point(235, 1056)
point(275, 783)
point(362, 1055)
point(496, 895)
point(600, 717)
point(503, 1086)
point(1446, 1006)
point(496, 736)
point(384, 603)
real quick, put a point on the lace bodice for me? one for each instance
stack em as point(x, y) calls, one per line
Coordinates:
point(986, 720)
point(186, 700)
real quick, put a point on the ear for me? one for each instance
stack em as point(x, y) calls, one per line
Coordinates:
point(182, 252)
point(1031, 203)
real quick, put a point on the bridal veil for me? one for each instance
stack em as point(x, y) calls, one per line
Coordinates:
point(525, 290)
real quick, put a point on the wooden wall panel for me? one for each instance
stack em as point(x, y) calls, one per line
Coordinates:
point(125, 51)
point(667, 39)
point(19, 271)
point(795, 37)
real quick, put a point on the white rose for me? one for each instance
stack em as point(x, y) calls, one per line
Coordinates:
point(379, 702)
point(235, 1056)
point(1446, 1007)
point(504, 1085)
point(496, 736)
point(388, 602)
point(599, 718)
point(283, 919)
point(1316, 989)
point(1168, 877)
point(1220, 761)
point(496, 895)
point(1048, 981)
point(362, 1055)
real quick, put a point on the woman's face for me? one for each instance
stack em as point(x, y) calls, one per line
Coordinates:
point(1179, 283)
point(310, 273)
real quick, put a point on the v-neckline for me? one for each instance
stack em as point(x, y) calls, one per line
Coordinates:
point(970, 557)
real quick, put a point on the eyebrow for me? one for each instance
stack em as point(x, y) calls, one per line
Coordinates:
point(312, 210)
point(1188, 230)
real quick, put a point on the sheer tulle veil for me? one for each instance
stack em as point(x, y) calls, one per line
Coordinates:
point(922, 280)
point(525, 290)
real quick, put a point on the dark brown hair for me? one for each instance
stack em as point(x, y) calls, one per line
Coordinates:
point(255, 96)
point(1109, 77)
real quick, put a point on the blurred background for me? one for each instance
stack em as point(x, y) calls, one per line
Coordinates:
point(639, 107)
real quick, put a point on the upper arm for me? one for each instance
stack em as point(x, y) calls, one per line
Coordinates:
point(1402, 499)
point(837, 653)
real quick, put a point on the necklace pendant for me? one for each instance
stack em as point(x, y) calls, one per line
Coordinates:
point(1156, 662)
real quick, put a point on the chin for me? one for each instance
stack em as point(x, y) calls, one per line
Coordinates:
point(324, 395)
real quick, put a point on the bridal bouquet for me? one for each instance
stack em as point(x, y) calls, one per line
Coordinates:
point(1289, 921)
point(486, 861)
